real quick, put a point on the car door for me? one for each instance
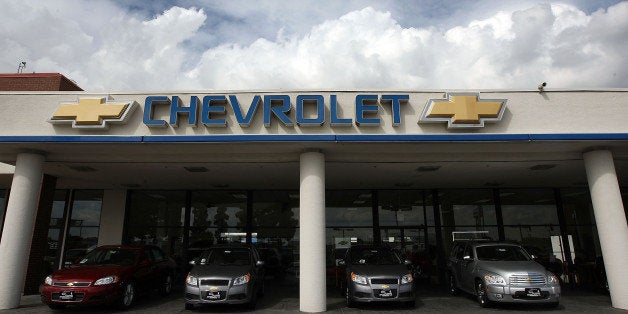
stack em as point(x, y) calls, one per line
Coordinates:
point(467, 265)
point(144, 276)
point(455, 259)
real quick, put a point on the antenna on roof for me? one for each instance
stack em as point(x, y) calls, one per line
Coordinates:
point(21, 66)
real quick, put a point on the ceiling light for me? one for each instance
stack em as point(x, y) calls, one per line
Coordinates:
point(543, 167)
point(196, 169)
point(427, 168)
point(82, 168)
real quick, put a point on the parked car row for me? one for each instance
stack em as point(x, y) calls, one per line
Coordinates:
point(495, 272)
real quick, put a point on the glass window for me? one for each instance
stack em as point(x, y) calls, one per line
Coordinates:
point(85, 219)
point(467, 207)
point(56, 226)
point(528, 206)
point(218, 209)
point(157, 208)
point(401, 208)
point(580, 220)
point(276, 209)
point(348, 208)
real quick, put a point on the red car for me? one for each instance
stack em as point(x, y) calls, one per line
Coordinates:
point(111, 275)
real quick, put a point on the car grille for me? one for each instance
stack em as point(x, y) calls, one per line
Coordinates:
point(384, 281)
point(527, 279)
point(214, 282)
point(71, 284)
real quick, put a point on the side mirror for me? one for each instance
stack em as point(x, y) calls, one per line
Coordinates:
point(467, 258)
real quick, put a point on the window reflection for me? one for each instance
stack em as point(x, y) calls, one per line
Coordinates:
point(348, 208)
point(401, 208)
point(85, 219)
point(218, 208)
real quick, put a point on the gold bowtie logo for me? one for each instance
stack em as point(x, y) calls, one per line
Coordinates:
point(92, 112)
point(463, 110)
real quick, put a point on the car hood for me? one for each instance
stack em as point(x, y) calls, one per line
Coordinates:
point(217, 271)
point(89, 273)
point(379, 270)
point(505, 268)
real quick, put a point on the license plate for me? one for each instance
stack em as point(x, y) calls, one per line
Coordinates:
point(533, 293)
point(66, 295)
point(385, 294)
point(213, 295)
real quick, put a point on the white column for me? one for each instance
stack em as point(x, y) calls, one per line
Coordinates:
point(18, 227)
point(312, 293)
point(112, 217)
point(610, 219)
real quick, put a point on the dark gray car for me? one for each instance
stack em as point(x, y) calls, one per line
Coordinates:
point(376, 274)
point(500, 272)
point(225, 275)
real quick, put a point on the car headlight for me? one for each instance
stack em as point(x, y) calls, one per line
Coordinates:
point(107, 280)
point(48, 280)
point(407, 279)
point(242, 280)
point(495, 280)
point(358, 279)
point(191, 280)
point(552, 280)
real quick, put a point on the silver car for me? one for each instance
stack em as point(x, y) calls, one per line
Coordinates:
point(500, 272)
point(376, 274)
point(225, 275)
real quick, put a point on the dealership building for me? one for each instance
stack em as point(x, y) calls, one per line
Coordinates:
point(312, 171)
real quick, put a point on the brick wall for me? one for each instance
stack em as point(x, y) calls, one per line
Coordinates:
point(36, 82)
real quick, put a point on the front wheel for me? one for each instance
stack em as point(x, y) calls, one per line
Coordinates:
point(128, 296)
point(480, 292)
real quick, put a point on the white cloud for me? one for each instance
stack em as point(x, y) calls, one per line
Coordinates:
point(366, 48)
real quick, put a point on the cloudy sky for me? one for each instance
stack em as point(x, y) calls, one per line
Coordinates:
point(108, 45)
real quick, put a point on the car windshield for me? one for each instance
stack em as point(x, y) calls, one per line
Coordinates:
point(501, 253)
point(373, 256)
point(226, 257)
point(111, 256)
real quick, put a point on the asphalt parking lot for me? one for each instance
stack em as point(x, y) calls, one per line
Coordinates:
point(283, 296)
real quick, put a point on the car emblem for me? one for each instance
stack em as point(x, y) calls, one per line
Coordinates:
point(93, 112)
point(463, 110)
point(385, 286)
point(528, 279)
point(70, 284)
point(213, 288)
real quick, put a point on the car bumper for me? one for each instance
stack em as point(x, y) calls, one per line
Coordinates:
point(382, 293)
point(80, 295)
point(219, 294)
point(531, 294)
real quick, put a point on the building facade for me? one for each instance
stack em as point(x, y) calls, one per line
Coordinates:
point(311, 172)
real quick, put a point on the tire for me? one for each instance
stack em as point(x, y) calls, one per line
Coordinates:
point(166, 286)
point(480, 293)
point(453, 289)
point(56, 306)
point(189, 306)
point(128, 296)
point(349, 299)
